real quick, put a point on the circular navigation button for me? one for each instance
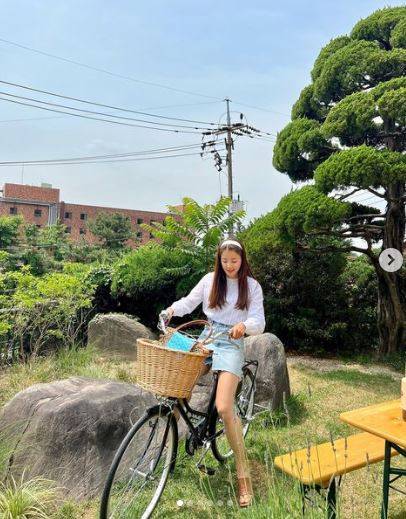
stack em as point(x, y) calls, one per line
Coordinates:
point(391, 260)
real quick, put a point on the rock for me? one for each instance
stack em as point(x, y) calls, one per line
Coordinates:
point(201, 392)
point(272, 377)
point(69, 430)
point(117, 334)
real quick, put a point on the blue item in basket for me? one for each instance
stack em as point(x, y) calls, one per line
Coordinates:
point(178, 341)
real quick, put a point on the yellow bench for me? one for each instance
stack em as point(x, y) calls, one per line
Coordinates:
point(319, 466)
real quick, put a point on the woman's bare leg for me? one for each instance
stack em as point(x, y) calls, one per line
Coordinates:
point(225, 396)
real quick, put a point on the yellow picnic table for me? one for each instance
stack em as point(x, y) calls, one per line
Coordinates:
point(385, 421)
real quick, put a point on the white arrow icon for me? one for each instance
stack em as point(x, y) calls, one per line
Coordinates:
point(391, 260)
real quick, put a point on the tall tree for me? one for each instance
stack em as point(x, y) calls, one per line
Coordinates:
point(112, 229)
point(196, 229)
point(347, 134)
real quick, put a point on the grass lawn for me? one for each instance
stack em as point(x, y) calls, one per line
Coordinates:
point(320, 394)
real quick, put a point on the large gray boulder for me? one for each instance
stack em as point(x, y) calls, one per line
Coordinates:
point(116, 334)
point(272, 377)
point(272, 381)
point(69, 430)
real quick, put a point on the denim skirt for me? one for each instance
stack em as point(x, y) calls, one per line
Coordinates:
point(227, 354)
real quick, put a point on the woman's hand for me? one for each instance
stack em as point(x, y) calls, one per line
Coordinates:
point(165, 316)
point(237, 331)
point(169, 312)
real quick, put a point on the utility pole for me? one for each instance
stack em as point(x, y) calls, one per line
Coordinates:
point(229, 147)
point(228, 131)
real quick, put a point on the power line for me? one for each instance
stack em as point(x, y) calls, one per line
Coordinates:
point(104, 71)
point(129, 78)
point(99, 113)
point(239, 128)
point(115, 161)
point(361, 194)
point(264, 141)
point(360, 200)
point(23, 119)
point(181, 105)
point(257, 137)
point(98, 118)
point(113, 155)
point(112, 107)
point(258, 108)
point(254, 136)
point(270, 134)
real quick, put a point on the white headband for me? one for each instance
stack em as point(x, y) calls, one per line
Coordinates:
point(230, 242)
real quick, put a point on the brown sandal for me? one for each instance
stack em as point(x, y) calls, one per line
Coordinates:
point(245, 493)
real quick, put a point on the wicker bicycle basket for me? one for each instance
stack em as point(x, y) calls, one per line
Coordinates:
point(168, 372)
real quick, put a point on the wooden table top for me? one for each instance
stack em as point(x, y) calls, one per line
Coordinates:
point(384, 420)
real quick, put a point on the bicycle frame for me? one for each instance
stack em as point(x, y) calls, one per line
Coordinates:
point(199, 431)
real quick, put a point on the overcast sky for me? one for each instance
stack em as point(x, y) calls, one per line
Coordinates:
point(258, 53)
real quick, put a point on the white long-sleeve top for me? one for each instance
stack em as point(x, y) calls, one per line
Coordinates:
point(253, 318)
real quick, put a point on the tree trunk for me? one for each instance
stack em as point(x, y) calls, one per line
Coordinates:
point(392, 285)
point(391, 313)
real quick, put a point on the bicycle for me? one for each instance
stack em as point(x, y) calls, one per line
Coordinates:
point(148, 453)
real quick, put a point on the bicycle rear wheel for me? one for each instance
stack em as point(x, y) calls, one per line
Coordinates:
point(244, 406)
point(141, 467)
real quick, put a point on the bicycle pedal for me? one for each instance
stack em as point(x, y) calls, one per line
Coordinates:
point(209, 471)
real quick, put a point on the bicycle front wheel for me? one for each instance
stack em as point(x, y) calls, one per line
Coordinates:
point(141, 467)
point(244, 408)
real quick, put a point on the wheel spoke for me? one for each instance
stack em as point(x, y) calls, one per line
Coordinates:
point(140, 470)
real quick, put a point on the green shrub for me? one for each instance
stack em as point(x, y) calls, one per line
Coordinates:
point(33, 499)
point(43, 311)
point(7, 261)
point(9, 229)
point(150, 278)
point(86, 253)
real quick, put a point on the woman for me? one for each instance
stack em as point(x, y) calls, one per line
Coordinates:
point(233, 303)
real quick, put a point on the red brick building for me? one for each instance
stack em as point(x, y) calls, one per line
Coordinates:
point(41, 206)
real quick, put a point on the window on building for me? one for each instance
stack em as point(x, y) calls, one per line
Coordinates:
point(83, 216)
point(13, 210)
point(151, 235)
point(82, 231)
point(140, 221)
point(68, 216)
point(68, 229)
point(139, 235)
point(37, 212)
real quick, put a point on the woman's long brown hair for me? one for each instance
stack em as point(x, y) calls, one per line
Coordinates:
point(218, 292)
